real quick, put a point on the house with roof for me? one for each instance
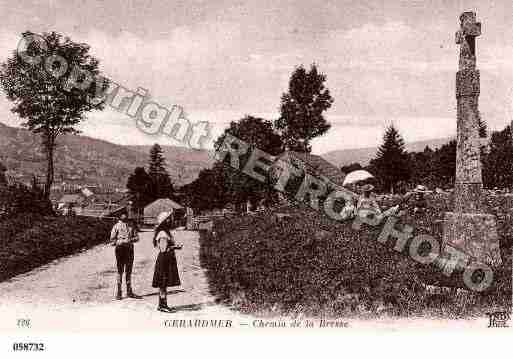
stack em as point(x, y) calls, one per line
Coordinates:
point(71, 203)
point(71, 200)
point(107, 205)
point(311, 164)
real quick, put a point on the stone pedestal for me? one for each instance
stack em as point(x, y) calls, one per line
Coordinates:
point(475, 234)
point(468, 197)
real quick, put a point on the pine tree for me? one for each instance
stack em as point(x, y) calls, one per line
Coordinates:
point(444, 164)
point(139, 186)
point(392, 163)
point(157, 161)
point(422, 171)
point(355, 166)
point(162, 185)
point(3, 179)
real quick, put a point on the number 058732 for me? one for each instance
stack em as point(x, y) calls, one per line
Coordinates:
point(28, 347)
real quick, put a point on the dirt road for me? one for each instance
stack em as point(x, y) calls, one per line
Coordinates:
point(80, 289)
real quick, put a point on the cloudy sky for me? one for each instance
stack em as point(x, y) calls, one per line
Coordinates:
point(386, 61)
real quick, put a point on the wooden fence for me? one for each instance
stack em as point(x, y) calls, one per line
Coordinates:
point(197, 223)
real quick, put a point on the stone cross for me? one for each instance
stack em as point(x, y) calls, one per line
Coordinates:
point(466, 37)
point(468, 228)
point(468, 186)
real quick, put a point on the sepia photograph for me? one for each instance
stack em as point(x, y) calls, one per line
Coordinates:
point(318, 166)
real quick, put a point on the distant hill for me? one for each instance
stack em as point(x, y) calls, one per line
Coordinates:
point(82, 159)
point(85, 160)
point(184, 163)
point(364, 155)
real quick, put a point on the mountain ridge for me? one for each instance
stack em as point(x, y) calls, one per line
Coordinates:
point(364, 155)
point(87, 160)
point(83, 159)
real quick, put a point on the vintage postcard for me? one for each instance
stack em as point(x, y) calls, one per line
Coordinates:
point(254, 166)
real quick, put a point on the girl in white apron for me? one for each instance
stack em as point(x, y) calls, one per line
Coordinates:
point(166, 267)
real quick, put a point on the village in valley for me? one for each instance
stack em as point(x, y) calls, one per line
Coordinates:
point(266, 227)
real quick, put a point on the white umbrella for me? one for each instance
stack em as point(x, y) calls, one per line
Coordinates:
point(356, 176)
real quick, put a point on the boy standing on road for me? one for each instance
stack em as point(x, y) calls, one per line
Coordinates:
point(123, 236)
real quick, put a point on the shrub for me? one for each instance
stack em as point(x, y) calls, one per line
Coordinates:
point(29, 241)
point(308, 261)
point(19, 199)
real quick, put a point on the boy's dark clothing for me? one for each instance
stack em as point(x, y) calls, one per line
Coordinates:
point(125, 258)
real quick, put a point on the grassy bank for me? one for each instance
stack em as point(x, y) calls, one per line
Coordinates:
point(27, 242)
point(307, 263)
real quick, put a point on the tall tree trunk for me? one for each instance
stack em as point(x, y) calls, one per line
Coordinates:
point(50, 146)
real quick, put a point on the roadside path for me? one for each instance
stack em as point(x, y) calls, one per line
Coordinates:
point(81, 287)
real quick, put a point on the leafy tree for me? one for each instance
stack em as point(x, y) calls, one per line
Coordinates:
point(434, 168)
point(140, 187)
point(162, 185)
point(422, 170)
point(18, 199)
point(444, 165)
point(302, 107)
point(392, 163)
point(498, 162)
point(255, 131)
point(258, 133)
point(207, 191)
point(41, 93)
point(3, 179)
point(351, 167)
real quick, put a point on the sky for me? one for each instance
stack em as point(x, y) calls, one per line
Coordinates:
point(387, 61)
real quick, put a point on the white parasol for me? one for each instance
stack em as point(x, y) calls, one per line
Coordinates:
point(357, 176)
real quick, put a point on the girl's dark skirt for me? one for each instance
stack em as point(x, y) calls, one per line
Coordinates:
point(166, 271)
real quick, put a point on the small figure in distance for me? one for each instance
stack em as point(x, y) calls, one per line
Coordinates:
point(368, 206)
point(416, 201)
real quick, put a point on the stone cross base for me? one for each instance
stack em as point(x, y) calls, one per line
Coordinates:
point(467, 197)
point(475, 234)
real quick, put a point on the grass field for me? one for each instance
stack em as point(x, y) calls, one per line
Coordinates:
point(307, 263)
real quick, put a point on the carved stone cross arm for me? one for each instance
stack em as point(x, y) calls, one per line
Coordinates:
point(466, 37)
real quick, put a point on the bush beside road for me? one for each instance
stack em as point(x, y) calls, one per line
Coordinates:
point(27, 242)
point(296, 260)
